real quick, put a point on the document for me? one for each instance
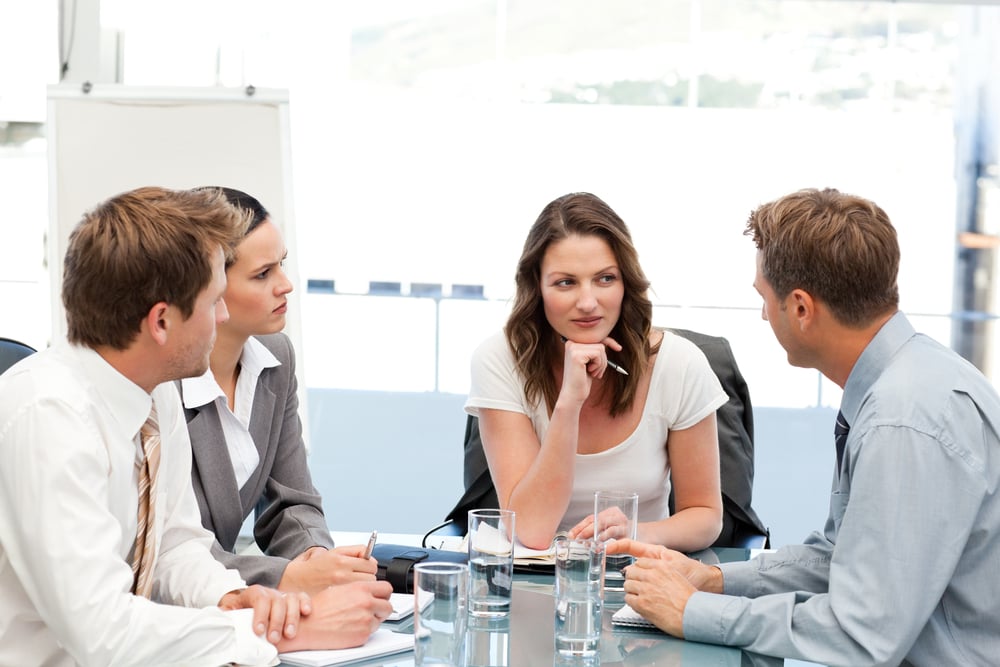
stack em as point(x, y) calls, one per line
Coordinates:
point(403, 605)
point(630, 617)
point(382, 642)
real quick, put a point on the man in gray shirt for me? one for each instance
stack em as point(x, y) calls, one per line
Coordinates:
point(907, 568)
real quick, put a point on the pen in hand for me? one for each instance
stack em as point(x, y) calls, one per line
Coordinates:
point(612, 365)
point(371, 544)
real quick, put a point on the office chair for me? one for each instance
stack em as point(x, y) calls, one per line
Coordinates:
point(741, 525)
point(12, 351)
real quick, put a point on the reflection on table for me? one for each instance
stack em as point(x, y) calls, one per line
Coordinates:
point(526, 639)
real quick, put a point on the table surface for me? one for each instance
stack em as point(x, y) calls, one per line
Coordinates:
point(526, 639)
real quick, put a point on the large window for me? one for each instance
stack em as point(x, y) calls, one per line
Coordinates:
point(427, 136)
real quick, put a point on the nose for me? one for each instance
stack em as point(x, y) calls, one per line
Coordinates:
point(585, 300)
point(284, 285)
point(221, 312)
point(763, 313)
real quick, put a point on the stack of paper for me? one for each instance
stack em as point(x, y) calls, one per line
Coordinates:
point(382, 642)
point(630, 617)
point(403, 604)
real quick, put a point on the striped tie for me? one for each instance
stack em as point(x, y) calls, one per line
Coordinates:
point(145, 537)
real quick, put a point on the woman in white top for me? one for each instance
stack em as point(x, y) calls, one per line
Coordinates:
point(559, 423)
point(247, 449)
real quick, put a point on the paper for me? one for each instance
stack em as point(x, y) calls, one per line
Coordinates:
point(628, 616)
point(403, 603)
point(382, 642)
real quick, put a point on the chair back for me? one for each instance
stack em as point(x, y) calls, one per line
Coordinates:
point(12, 351)
point(741, 525)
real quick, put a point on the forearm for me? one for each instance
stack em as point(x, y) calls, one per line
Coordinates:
point(688, 530)
point(542, 495)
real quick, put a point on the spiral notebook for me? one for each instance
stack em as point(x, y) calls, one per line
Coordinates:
point(630, 617)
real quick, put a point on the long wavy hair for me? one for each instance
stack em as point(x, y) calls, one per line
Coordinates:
point(531, 338)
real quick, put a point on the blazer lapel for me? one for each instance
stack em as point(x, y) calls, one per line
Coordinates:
point(261, 423)
point(215, 470)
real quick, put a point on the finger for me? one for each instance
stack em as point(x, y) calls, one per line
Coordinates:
point(305, 604)
point(276, 615)
point(352, 551)
point(291, 625)
point(612, 343)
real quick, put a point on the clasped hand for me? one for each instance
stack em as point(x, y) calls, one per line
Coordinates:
point(660, 582)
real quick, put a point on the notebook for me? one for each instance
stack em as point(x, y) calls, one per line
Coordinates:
point(403, 605)
point(630, 617)
point(382, 642)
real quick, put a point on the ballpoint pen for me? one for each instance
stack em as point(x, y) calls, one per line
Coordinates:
point(611, 364)
point(371, 544)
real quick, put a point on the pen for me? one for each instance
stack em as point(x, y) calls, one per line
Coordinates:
point(371, 544)
point(611, 364)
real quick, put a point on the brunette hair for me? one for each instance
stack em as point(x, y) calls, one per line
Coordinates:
point(839, 248)
point(530, 336)
point(137, 249)
point(248, 205)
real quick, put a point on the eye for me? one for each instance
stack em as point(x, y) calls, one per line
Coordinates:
point(607, 278)
point(564, 282)
point(263, 274)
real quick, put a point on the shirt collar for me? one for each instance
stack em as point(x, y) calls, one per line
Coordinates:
point(873, 360)
point(127, 402)
point(202, 390)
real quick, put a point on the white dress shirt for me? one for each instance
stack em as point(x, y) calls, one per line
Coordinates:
point(68, 504)
point(203, 390)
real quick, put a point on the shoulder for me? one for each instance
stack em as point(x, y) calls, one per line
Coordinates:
point(278, 344)
point(493, 350)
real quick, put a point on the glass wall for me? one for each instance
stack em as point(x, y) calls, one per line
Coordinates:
point(427, 136)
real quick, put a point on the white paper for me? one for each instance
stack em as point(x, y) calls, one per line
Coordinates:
point(382, 642)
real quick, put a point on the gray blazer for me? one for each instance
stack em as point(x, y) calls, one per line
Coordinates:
point(289, 510)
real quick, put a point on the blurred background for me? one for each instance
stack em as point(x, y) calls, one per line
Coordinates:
point(427, 135)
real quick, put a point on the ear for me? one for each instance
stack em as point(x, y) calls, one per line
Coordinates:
point(802, 307)
point(157, 322)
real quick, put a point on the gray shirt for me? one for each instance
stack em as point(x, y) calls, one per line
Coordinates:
point(907, 568)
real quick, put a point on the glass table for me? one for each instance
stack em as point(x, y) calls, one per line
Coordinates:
point(526, 638)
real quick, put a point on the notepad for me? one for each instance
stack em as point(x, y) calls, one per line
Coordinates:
point(382, 642)
point(403, 604)
point(630, 617)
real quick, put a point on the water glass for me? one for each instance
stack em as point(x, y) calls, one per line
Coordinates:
point(615, 517)
point(488, 642)
point(491, 562)
point(579, 593)
point(439, 628)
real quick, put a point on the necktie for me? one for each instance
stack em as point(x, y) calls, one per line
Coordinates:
point(840, 437)
point(145, 537)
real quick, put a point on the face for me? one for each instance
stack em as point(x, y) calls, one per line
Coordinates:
point(192, 339)
point(777, 313)
point(582, 288)
point(257, 290)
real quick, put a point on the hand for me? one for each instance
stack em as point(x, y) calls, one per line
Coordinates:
point(703, 577)
point(612, 525)
point(317, 568)
point(658, 591)
point(343, 616)
point(274, 613)
point(591, 359)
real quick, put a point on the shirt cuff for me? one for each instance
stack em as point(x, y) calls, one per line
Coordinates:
point(739, 578)
point(250, 649)
point(705, 617)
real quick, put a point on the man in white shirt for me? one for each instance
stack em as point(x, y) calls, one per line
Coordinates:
point(142, 288)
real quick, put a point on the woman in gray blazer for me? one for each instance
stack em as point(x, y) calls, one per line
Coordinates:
point(246, 435)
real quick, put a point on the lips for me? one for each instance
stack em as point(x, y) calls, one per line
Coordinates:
point(281, 310)
point(587, 323)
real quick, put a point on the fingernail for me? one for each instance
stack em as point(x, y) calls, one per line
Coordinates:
point(260, 629)
point(275, 637)
point(290, 630)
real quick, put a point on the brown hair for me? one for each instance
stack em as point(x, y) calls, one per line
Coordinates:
point(839, 248)
point(529, 334)
point(137, 249)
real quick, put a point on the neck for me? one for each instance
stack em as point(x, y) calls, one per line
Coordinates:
point(844, 345)
point(226, 357)
point(134, 365)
